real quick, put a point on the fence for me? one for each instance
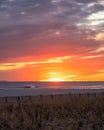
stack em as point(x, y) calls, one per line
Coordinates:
point(41, 97)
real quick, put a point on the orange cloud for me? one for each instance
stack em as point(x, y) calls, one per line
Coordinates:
point(18, 65)
point(11, 66)
point(101, 71)
point(97, 37)
point(63, 68)
point(100, 49)
point(91, 56)
point(97, 77)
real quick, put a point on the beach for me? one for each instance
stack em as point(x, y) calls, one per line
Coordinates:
point(52, 108)
point(54, 112)
point(46, 91)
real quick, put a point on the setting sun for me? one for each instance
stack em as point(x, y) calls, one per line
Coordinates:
point(56, 79)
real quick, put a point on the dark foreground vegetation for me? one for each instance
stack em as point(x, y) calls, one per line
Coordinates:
point(70, 112)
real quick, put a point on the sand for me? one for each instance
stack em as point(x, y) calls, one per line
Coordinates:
point(46, 91)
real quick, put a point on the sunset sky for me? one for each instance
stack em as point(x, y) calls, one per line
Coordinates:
point(50, 40)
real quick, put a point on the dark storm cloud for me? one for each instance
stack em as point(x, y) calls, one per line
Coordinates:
point(84, 1)
point(29, 27)
point(16, 37)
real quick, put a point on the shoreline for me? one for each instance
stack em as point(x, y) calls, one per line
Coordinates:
point(47, 91)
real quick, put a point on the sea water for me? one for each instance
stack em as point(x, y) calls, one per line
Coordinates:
point(60, 85)
point(47, 88)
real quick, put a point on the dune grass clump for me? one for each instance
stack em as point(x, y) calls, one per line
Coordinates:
point(63, 112)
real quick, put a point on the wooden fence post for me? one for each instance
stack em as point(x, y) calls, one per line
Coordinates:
point(69, 94)
point(18, 98)
point(94, 94)
point(6, 99)
point(51, 96)
point(29, 98)
point(88, 94)
point(41, 97)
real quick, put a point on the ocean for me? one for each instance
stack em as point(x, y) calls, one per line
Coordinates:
point(47, 88)
point(61, 85)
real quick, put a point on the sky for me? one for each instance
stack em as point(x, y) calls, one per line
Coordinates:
point(52, 40)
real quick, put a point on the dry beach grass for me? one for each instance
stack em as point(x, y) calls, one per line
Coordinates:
point(63, 112)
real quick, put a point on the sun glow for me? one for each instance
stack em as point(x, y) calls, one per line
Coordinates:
point(56, 79)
